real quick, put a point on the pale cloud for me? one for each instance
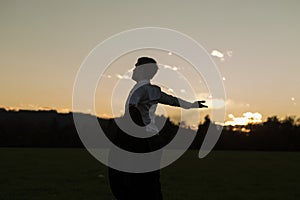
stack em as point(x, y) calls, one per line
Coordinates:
point(166, 89)
point(218, 103)
point(212, 102)
point(222, 56)
point(104, 115)
point(10, 108)
point(217, 53)
point(247, 118)
point(106, 76)
point(229, 53)
point(130, 70)
point(170, 90)
point(293, 99)
point(64, 110)
point(46, 108)
point(124, 76)
point(174, 68)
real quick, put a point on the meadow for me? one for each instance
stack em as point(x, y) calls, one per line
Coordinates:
point(70, 173)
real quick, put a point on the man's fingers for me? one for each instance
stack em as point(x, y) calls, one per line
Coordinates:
point(202, 105)
point(198, 104)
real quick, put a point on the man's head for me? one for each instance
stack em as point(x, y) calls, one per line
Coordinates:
point(145, 69)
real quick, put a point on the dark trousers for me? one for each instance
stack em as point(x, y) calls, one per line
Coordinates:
point(135, 186)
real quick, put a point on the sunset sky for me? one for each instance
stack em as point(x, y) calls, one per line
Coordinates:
point(255, 44)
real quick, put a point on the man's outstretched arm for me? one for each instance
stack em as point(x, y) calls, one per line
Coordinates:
point(174, 101)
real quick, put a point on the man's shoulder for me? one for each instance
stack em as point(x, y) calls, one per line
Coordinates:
point(153, 91)
point(152, 87)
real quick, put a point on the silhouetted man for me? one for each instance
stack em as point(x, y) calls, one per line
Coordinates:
point(140, 107)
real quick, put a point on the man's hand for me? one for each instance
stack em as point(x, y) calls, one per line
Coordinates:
point(198, 104)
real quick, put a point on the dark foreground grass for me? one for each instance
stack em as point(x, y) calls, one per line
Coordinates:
point(75, 174)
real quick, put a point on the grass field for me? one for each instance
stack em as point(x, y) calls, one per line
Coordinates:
point(32, 173)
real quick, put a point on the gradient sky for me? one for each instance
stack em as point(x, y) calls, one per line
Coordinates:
point(43, 44)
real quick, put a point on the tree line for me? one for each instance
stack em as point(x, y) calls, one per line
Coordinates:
point(26, 128)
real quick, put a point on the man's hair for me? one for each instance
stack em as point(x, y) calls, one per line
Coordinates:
point(144, 60)
point(149, 66)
